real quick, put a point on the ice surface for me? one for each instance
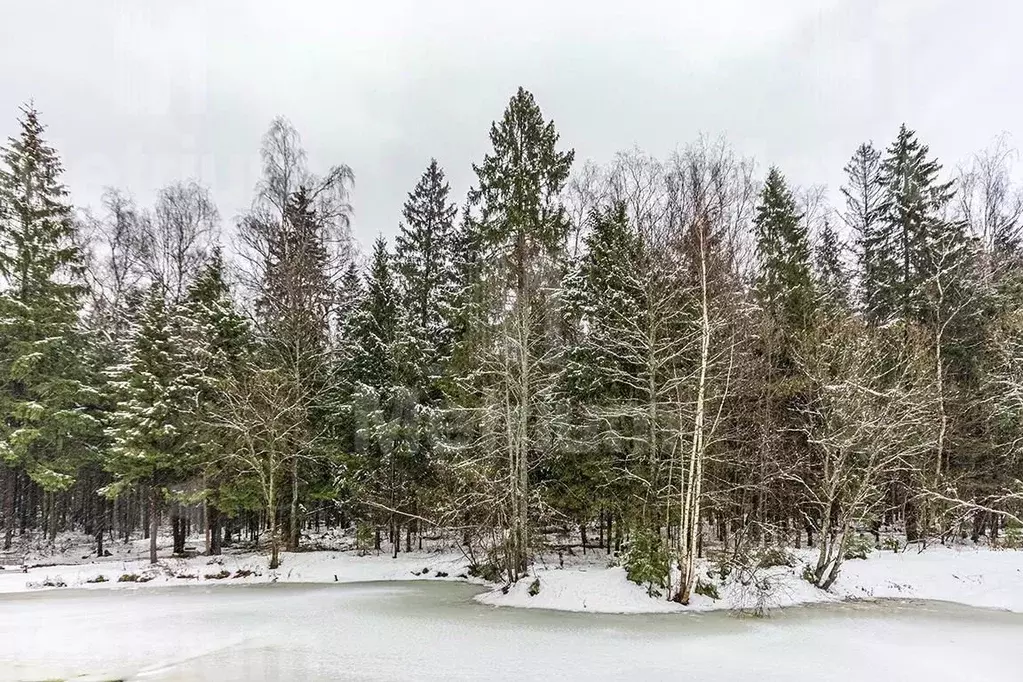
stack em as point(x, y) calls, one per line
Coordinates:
point(435, 631)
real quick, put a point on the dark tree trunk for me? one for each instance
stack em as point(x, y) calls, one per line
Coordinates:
point(9, 512)
point(99, 522)
point(213, 521)
point(154, 521)
point(179, 528)
point(912, 522)
point(294, 533)
point(582, 535)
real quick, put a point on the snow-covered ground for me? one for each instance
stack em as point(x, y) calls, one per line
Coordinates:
point(972, 576)
point(967, 575)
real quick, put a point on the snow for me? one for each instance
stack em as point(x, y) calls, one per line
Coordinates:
point(972, 576)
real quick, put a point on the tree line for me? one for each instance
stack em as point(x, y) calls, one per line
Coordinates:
point(667, 353)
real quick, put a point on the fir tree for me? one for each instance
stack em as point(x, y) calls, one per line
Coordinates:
point(521, 227)
point(151, 431)
point(217, 345)
point(832, 279)
point(911, 227)
point(45, 423)
point(422, 264)
point(784, 281)
point(863, 199)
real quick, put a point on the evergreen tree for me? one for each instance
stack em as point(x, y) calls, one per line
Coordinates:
point(832, 279)
point(217, 345)
point(422, 263)
point(521, 227)
point(152, 433)
point(910, 227)
point(784, 281)
point(863, 199)
point(294, 311)
point(45, 424)
point(604, 299)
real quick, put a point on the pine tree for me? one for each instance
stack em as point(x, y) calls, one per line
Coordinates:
point(45, 424)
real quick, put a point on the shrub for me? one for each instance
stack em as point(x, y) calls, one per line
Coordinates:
point(129, 578)
point(858, 547)
point(534, 587)
point(646, 562)
point(891, 543)
point(364, 537)
point(220, 575)
point(706, 588)
point(486, 571)
point(774, 556)
point(243, 573)
point(98, 579)
point(1012, 536)
point(54, 582)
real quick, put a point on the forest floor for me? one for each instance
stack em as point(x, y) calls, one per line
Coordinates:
point(966, 574)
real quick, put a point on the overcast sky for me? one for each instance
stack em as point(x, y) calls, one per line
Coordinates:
point(138, 93)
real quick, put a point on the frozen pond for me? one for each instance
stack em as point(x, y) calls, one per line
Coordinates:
point(434, 631)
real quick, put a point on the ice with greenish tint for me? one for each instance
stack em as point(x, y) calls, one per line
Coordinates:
point(435, 631)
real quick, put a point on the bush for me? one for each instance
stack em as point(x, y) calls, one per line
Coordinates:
point(810, 574)
point(774, 556)
point(1012, 536)
point(97, 579)
point(646, 562)
point(486, 571)
point(220, 575)
point(129, 578)
point(706, 588)
point(891, 543)
point(534, 587)
point(858, 547)
point(53, 582)
point(364, 537)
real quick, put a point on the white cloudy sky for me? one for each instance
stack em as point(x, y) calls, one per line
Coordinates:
point(138, 93)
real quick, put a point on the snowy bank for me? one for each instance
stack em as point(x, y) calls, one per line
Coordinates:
point(971, 576)
point(233, 569)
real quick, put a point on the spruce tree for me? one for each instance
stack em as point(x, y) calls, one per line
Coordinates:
point(45, 423)
point(910, 227)
point(422, 264)
point(784, 281)
point(521, 227)
point(864, 197)
point(152, 432)
point(832, 279)
point(217, 345)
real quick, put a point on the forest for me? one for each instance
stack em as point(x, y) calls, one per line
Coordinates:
point(652, 354)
